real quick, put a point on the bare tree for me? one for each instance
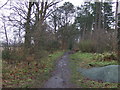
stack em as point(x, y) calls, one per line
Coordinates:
point(44, 10)
point(27, 30)
point(6, 36)
point(30, 17)
point(118, 32)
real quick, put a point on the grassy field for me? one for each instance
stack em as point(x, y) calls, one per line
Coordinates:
point(83, 60)
point(21, 75)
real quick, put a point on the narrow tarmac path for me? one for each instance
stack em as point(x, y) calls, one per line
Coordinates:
point(61, 76)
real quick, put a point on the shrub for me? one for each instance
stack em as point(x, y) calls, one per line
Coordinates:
point(8, 54)
point(87, 46)
point(105, 40)
point(52, 46)
point(40, 54)
point(17, 55)
point(106, 56)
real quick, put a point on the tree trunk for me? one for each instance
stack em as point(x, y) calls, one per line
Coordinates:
point(117, 30)
point(98, 15)
point(118, 34)
point(39, 32)
point(118, 37)
point(7, 44)
point(116, 18)
point(28, 31)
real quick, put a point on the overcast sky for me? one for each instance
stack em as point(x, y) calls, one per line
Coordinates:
point(75, 2)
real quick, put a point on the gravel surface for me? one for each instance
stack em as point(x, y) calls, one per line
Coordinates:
point(61, 76)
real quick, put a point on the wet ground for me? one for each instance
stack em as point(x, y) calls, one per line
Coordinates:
point(61, 76)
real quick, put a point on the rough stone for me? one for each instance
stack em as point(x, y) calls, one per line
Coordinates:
point(106, 74)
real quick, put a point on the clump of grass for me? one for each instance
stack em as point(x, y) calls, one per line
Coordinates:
point(103, 63)
point(87, 46)
point(106, 56)
point(94, 59)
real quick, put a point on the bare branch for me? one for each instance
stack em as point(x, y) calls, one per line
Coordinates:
point(4, 4)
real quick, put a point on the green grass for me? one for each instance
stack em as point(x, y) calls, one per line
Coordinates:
point(103, 63)
point(83, 60)
point(20, 75)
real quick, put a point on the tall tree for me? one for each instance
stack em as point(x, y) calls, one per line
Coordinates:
point(98, 11)
point(44, 9)
point(84, 19)
point(67, 13)
point(108, 17)
point(94, 16)
point(28, 30)
point(118, 32)
point(31, 18)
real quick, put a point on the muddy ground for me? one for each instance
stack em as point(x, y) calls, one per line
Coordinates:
point(61, 76)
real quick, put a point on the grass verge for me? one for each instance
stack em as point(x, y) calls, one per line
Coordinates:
point(83, 60)
point(21, 75)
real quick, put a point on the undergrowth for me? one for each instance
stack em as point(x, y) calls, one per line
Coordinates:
point(28, 76)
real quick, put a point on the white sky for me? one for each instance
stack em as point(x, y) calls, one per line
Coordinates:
point(119, 8)
point(75, 2)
